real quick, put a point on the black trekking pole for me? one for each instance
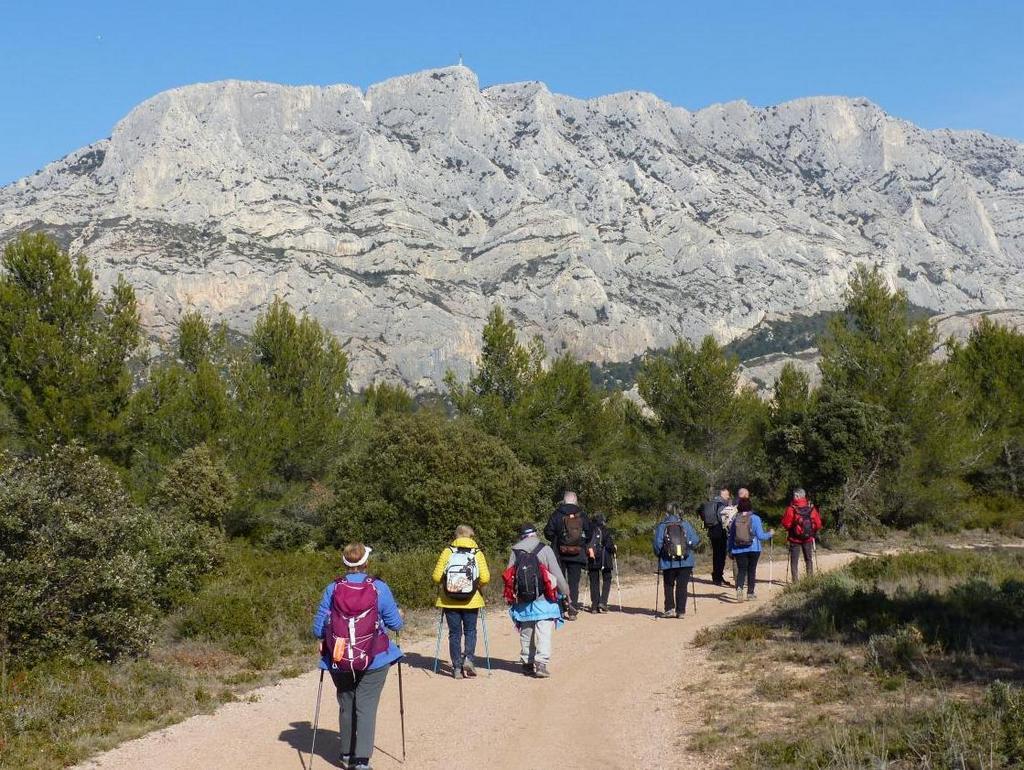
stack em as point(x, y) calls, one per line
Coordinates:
point(693, 586)
point(657, 591)
point(401, 707)
point(316, 719)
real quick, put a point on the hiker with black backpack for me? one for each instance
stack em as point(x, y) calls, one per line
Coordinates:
point(600, 563)
point(674, 541)
point(461, 571)
point(713, 513)
point(746, 532)
point(802, 522)
point(533, 582)
point(568, 531)
point(355, 613)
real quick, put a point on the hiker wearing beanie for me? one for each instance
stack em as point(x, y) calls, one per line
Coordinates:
point(745, 535)
point(600, 563)
point(568, 531)
point(533, 582)
point(802, 522)
point(460, 572)
point(360, 607)
point(674, 541)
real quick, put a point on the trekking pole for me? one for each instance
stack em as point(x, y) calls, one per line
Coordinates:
point(657, 590)
point(316, 719)
point(401, 698)
point(437, 648)
point(771, 562)
point(693, 586)
point(487, 643)
point(618, 583)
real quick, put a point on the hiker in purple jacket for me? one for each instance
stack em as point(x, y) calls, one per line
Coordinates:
point(359, 670)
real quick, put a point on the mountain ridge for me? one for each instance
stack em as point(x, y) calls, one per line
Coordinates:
point(399, 214)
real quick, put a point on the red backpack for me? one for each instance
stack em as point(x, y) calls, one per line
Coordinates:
point(353, 634)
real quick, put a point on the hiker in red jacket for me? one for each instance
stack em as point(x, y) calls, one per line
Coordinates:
point(803, 522)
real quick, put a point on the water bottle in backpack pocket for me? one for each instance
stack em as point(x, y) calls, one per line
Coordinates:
point(461, 574)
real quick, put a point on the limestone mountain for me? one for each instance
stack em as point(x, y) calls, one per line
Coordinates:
point(400, 215)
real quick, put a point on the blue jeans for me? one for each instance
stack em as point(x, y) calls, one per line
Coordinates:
point(461, 622)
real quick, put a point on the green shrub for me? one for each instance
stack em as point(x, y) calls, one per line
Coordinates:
point(420, 476)
point(76, 577)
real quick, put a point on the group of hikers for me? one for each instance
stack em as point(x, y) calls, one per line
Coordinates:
point(541, 586)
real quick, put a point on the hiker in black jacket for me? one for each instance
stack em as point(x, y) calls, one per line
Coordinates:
point(711, 513)
point(600, 563)
point(568, 531)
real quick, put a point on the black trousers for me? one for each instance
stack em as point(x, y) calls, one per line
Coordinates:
point(573, 570)
point(718, 549)
point(600, 586)
point(677, 581)
point(746, 570)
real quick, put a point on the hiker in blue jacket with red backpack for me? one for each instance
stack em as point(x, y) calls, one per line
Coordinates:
point(745, 535)
point(354, 616)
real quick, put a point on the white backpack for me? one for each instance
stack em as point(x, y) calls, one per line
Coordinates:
point(461, 574)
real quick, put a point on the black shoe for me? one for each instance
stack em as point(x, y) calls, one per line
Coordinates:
point(527, 668)
point(603, 608)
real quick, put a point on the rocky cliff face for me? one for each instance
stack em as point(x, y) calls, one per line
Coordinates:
point(399, 216)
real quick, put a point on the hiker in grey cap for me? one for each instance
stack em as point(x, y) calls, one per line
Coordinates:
point(533, 581)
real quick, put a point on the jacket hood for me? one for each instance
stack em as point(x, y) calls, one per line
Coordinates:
point(568, 508)
point(801, 501)
point(464, 542)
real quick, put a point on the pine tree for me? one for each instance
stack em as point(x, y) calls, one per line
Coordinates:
point(64, 351)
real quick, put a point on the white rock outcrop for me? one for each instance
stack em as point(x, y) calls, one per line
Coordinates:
point(398, 217)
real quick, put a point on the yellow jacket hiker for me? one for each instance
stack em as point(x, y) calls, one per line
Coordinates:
point(460, 572)
point(476, 601)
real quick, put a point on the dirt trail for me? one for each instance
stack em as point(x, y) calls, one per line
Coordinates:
point(612, 701)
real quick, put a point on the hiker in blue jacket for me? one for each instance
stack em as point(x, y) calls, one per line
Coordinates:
point(745, 535)
point(674, 541)
point(359, 692)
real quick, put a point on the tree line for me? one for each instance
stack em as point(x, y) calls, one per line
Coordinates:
point(160, 456)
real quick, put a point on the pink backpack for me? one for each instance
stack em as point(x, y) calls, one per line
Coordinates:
point(353, 634)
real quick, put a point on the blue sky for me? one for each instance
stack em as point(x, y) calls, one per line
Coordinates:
point(70, 70)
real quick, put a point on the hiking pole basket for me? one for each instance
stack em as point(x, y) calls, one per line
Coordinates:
point(316, 720)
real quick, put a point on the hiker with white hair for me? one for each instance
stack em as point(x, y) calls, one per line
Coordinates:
point(803, 522)
point(533, 582)
point(568, 530)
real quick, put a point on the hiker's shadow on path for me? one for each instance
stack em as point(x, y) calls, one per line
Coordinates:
point(328, 743)
point(300, 737)
point(425, 663)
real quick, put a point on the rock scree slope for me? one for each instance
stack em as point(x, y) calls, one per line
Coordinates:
point(398, 216)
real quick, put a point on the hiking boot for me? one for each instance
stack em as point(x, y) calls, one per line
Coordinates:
point(680, 613)
point(361, 765)
point(739, 594)
point(603, 608)
point(468, 669)
point(751, 597)
point(571, 615)
point(527, 668)
point(667, 614)
point(345, 761)
point(593, 609)
point(457, 672)
point(540, 670)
